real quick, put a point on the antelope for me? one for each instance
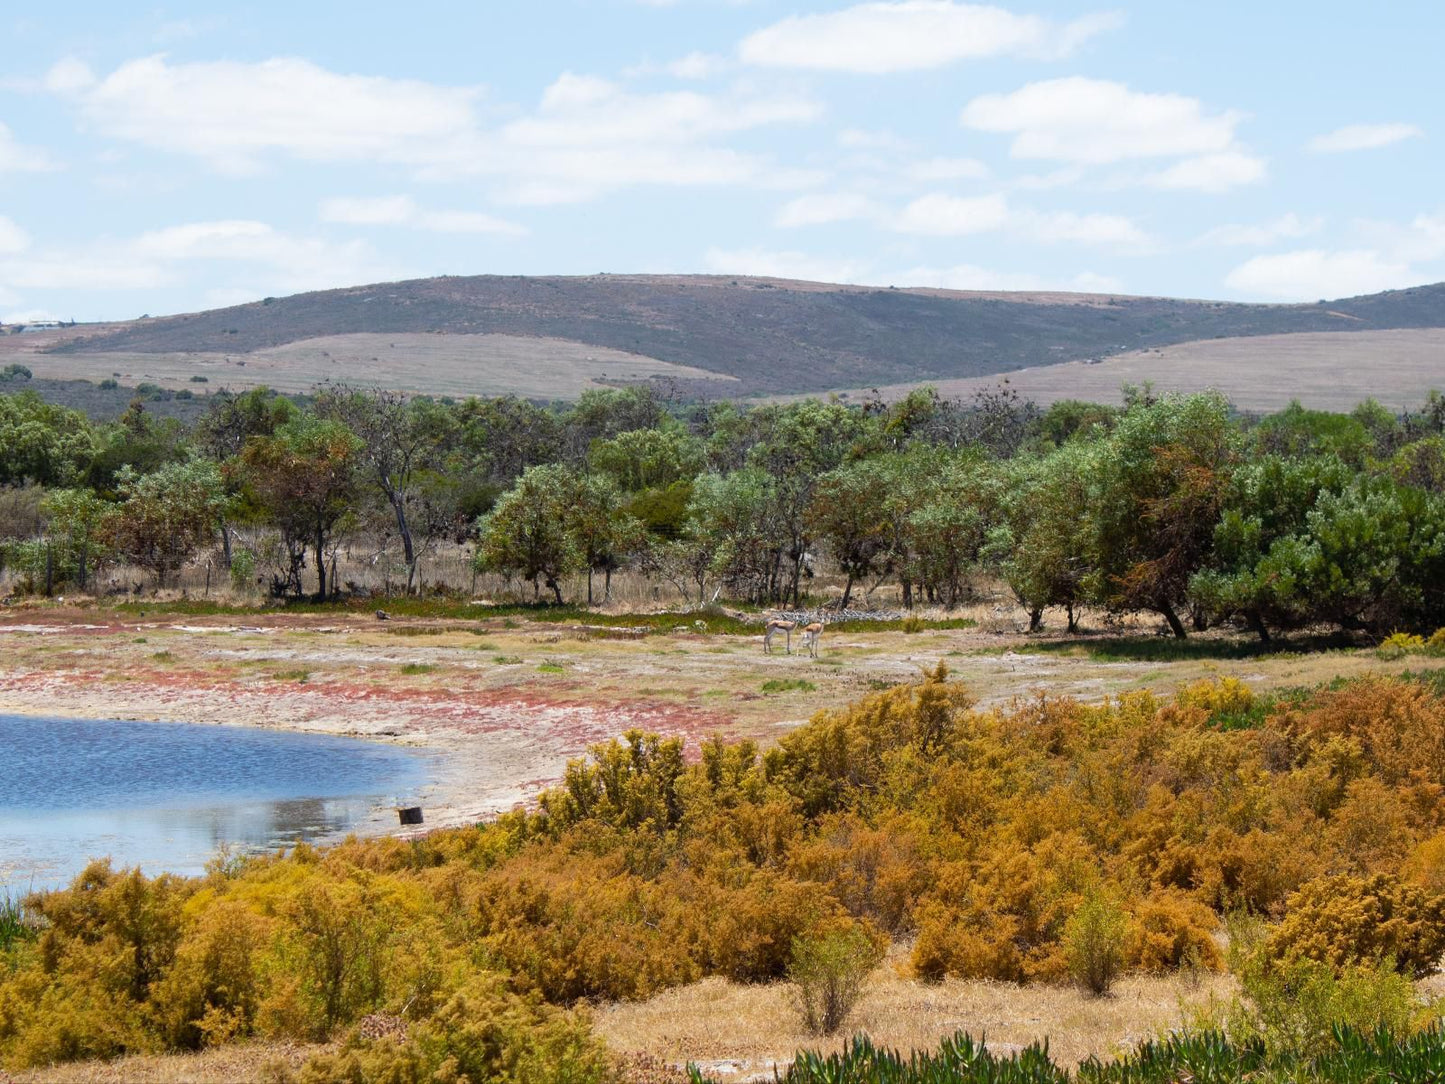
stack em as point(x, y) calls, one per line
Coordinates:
point(774, 626)
point(811, 633)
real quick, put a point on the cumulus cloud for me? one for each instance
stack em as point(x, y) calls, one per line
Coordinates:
point(940, 215)
point(15, 157)
point(586, 135)
point(403, 211)
point(932, 170)
point(1286, 227)
point(1363, 137)
point(822, 208)
point(231, 114)
point(12, 238)
point(1210, 172)
point(163, 257)
point(913, 35)
point(1095, 122)
point(1311, 274)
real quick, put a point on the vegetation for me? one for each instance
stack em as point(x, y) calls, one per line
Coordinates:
point(1034, 844)
point(1172, 505)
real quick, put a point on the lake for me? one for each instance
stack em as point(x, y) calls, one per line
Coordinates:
point(169, 796)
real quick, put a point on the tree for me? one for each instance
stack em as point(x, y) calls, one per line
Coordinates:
point(223, 431)
point(1041, 547)
point(42, 443)
point(165, 516)
point(732, 516)
point(1158, 486)
point(77, 519)
point(400, 440)
point(305, 477)
point(532, 531)
point(605, 535)
point(849, 511)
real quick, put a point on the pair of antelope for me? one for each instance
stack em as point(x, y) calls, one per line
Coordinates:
point(810, 634)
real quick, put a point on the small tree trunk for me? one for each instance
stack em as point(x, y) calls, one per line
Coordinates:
point(1073, 617)
point(607, 584)
point(907, 593)
point(1036, 619)
point(1257, 625)
point(847, 592)
point(321, 562)
point(556, 588)
point(1175, 625)
point(589, 585)
point(226, 542)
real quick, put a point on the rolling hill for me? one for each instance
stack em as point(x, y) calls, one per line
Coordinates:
point(549, 337)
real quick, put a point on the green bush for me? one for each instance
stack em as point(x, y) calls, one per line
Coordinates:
point(1399, 644)
point(828, 972)
point(1094, 939)
point(243, 570)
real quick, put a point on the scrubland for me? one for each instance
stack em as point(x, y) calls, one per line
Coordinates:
point(1256, 826)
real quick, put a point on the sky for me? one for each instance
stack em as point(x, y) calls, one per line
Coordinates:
point(170, 159)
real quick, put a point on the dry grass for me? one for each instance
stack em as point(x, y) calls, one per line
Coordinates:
point(459, 365)
point(241, 1063)
point(740, 1032)
point(1327, 370)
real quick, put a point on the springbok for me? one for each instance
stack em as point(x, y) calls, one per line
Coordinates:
point(811, 633)
point(774, 626)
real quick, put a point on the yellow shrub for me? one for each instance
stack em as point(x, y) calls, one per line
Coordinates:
point(1171, 930)
point(1345, 920)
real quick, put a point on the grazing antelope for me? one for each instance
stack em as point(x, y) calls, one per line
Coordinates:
point(774, 626)
point(811, 633)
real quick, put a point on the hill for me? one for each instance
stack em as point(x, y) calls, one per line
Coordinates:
point(553, 336)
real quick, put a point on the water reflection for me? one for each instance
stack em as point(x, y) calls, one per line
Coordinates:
point(171, 796)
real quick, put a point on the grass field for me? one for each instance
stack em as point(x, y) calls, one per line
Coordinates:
point(1324, 370)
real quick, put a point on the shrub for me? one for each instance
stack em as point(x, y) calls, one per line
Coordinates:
point(913, 623)
point(1435, 646)
point(481, 1033)
point(1171, 931)
point(1399, 644)
point(243, 570)
point(1342, 921)
point(1094, 940)
point(828, 970)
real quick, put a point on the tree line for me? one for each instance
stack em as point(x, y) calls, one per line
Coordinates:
point(1171, 504)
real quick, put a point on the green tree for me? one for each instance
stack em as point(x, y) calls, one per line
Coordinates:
point(165, 516)
point(606, 535)
point(849, 512)
point(532, 531)
point(305, 476)
point(42, 443)
point(1158, 487)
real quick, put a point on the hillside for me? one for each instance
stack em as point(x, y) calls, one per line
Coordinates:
point(760, 335)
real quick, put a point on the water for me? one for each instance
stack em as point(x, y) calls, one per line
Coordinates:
point(169, 796)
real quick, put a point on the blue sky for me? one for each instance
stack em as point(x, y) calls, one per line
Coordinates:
point(173, 159)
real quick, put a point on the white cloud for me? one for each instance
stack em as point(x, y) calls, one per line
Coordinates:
point(1089, 229)
point(972, 277)
point(695, 65)
point(12, 237)
point(1287, 227)
point(912, 35)
point(587, 135)
point(368, 211)
point(821, 208)
point(28, 316)
point(403, 211)
point(861, 139)
point(782, 265)
point(1093, 121)
point(939, 215)
point(1210, 172)
point(932, 170)
point(231, 114)
point(163, 257)
point(1312, 274)
point(17, 158)
point(1363, 137)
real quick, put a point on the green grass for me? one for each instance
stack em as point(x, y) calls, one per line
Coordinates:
point(508, 660)
point(551, 668)
point(291, 675)
point(418, 668)
point(785, 685)
point(15, 924)
point(163, 656)
point(1168, 649)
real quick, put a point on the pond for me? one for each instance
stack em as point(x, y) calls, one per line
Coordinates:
point(169, 797)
